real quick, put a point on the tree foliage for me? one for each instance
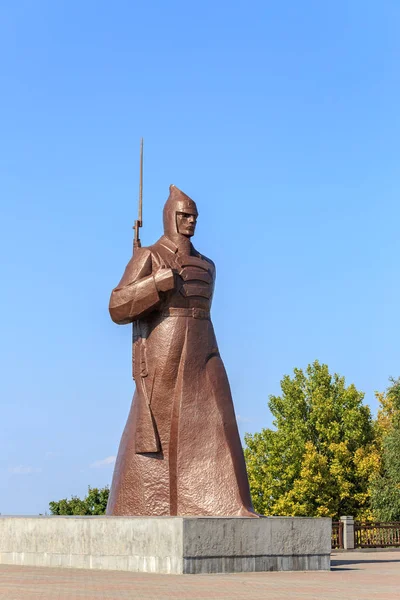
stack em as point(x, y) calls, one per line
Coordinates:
point(385, 488)
point(319, 459)
point(95, 503)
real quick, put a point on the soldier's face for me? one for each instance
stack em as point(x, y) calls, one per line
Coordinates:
point(186, 223)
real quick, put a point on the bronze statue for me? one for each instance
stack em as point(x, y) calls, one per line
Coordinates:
point(180, 453)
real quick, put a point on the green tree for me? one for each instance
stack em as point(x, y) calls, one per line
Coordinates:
point(319, 459)
point(95, 503)
point(385, 488)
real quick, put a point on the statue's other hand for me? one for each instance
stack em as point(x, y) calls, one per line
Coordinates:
point(165, 280)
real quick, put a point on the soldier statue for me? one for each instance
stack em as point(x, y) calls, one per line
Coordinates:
point(180, 452)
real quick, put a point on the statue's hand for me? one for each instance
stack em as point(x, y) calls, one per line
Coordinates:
point(165, 280)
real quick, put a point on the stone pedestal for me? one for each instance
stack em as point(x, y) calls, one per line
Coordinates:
point(168, 544)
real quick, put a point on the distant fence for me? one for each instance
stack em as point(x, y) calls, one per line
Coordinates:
point(337, 535)
point(348, 534)
point(376, 535)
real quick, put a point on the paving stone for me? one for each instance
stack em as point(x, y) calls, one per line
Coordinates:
point(354, 576)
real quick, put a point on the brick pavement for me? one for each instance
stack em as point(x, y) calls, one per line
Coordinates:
point(354, 576)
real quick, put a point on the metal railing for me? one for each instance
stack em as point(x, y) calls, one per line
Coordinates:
point(376, 535)
point(337, 535)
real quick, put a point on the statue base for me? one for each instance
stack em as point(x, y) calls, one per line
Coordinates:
point(179, 545)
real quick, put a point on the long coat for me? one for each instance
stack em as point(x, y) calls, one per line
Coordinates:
point(180, 453)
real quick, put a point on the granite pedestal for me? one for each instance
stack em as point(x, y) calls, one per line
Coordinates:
point(178, 545)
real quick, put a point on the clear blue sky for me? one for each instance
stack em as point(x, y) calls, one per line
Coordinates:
point(281, 119)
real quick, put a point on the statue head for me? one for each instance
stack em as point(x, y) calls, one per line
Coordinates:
point(180, 215)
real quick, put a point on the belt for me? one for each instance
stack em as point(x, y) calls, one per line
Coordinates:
point(196, 313)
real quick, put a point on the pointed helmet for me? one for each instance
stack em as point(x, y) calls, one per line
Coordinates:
point(177, 202)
